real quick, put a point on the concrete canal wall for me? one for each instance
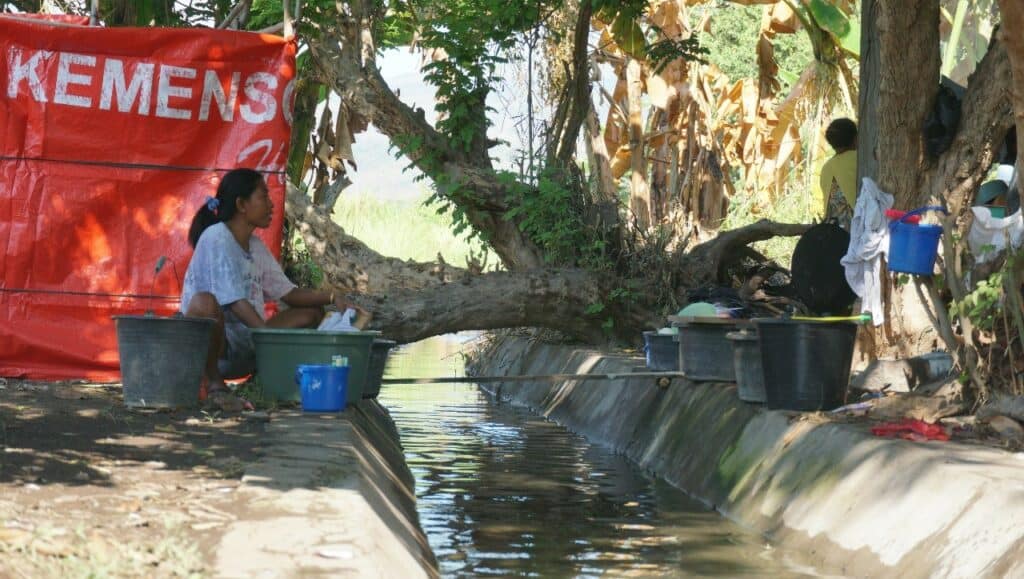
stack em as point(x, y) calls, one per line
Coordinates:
point(331, 496)
point(856, 503)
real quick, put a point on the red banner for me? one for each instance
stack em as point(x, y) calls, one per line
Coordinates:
point(110, 140)
point(72, 19)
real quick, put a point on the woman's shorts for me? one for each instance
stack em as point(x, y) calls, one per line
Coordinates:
point(239, 358)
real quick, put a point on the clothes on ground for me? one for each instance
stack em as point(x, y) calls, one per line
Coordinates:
point(911, 429)
point(839, 173)
point(223, 268)
point(869, 239)
point(989, 236)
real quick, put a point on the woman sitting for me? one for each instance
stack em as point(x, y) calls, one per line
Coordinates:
point(232, 274)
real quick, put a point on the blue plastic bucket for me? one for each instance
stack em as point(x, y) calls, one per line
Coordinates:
point(322, 388)
point(914, 247)
point(661, 351)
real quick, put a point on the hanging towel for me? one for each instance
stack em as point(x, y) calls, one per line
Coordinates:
point(869, 239)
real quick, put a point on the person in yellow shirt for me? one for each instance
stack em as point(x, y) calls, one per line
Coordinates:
point(839, 174)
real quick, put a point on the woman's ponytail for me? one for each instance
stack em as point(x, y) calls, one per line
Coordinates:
point(205, 217)
point(236, 184)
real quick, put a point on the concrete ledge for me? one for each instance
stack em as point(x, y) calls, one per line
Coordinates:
point(332, 496)
point(856, 503)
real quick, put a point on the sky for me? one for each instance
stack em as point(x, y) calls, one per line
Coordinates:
point(382, 175)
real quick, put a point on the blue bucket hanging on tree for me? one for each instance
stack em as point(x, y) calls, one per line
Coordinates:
point(913, 247)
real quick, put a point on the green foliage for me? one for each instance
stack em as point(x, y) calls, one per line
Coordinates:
point(732, 44)
point(795, 205)
point(552, 217)
point(474, 35)
point(829, 17)
point(983, 305)
point(663, 52)
point(267, 13)
point(299, 265)
point(629, 36)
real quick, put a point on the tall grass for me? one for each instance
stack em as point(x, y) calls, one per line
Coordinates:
point(406, 229)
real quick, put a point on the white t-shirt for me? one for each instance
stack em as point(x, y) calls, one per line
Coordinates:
point(221, 267)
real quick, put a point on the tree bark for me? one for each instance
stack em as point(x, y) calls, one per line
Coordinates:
point(555, 299)
point(597, 150)
point(895, 99)
point(640, 192)
point(577, 93)
point(987, 115)
point(1012, 12)
point(899, 80)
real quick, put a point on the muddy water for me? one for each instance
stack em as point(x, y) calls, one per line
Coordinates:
point(502, 492)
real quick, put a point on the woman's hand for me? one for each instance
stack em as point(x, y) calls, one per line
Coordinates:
point(363, 316)
point(245, 312)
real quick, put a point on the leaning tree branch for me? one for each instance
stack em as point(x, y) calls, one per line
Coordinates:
point(760, 231)
point(412, 301)
point(555, 299)
point(349, 264)
point(704, 261)
point(474, 187)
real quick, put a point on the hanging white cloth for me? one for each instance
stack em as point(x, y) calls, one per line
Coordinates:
point(869, 239)
point(990, 236)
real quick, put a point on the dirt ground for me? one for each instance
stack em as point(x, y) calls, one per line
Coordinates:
point(90, 488)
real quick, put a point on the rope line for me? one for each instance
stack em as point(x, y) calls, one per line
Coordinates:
point(91, 294)
point(183, 168)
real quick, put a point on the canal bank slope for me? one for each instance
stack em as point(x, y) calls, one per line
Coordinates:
point(330, 496)
point(860, 504)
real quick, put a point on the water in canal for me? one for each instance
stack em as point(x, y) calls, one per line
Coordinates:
point(501, 492)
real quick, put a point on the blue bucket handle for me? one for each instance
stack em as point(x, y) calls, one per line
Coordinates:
point(298, 375)
point(921, 210)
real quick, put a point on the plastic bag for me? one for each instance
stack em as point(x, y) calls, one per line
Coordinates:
point(989, 235)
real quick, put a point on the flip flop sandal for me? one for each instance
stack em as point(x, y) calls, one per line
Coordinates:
point(228, 401)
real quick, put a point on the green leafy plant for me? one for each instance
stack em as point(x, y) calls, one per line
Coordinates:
point(983, 306)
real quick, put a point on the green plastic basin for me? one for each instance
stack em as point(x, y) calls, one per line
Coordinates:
point(279, 352)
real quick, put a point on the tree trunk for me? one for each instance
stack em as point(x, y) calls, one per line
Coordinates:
point(895, 100)
point(899, 80)
point(600, 162)
point(555, 299)
point(640, 192)
point(1010, 34)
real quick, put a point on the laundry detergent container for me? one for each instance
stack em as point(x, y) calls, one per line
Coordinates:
point(280, 352)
